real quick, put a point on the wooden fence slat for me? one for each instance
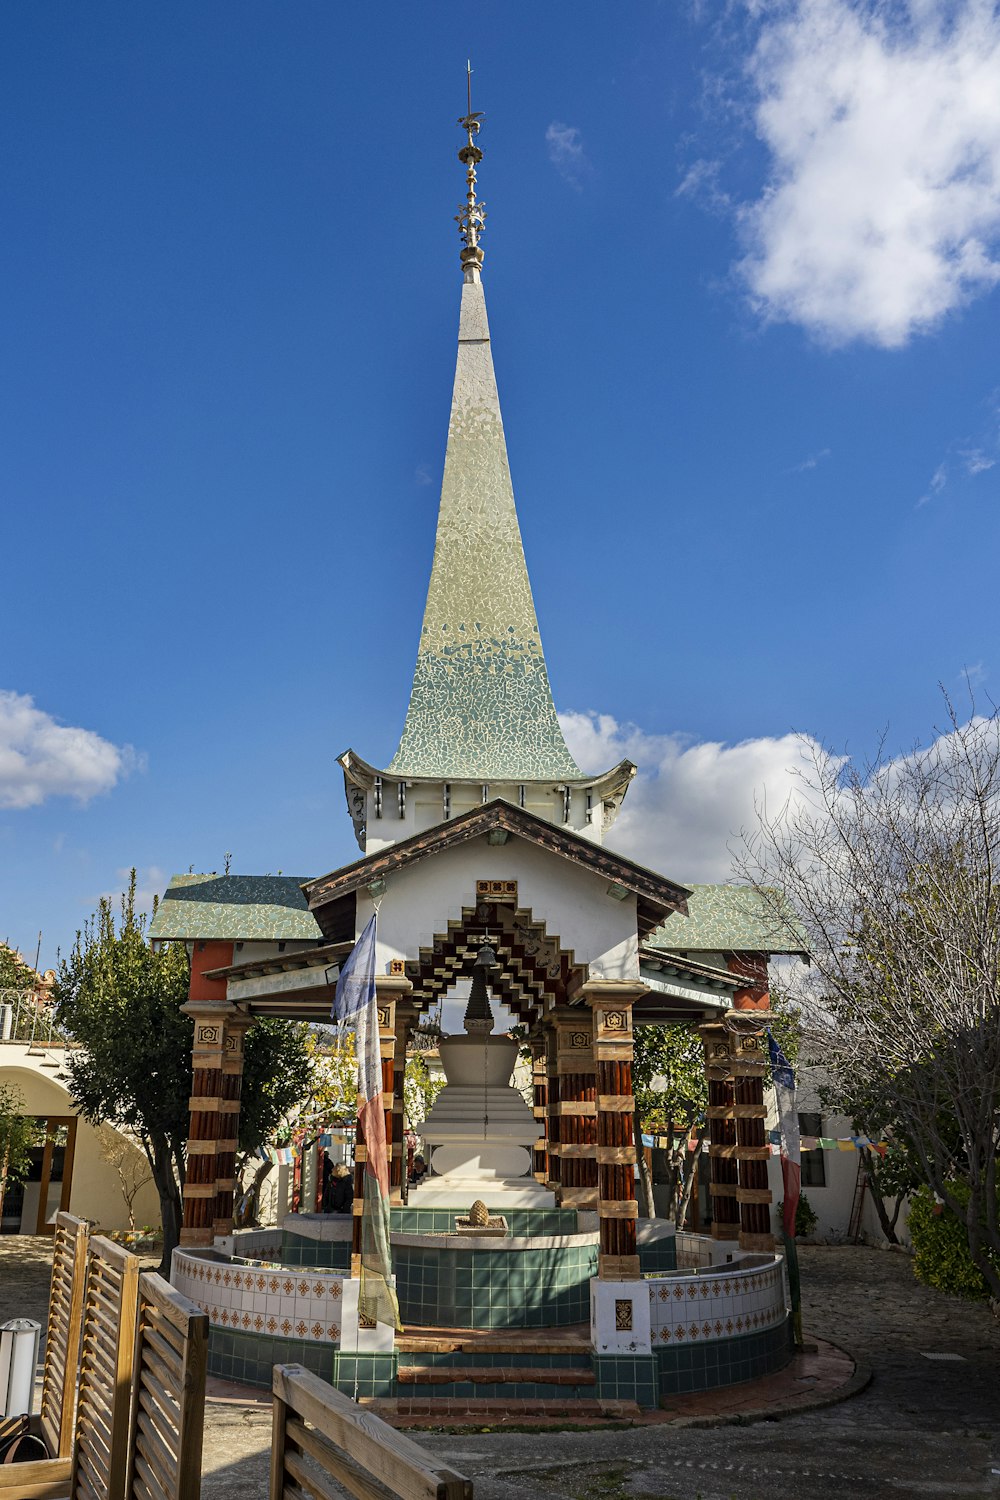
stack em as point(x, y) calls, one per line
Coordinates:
point(279, 1416)
point(389, 1457)
point(100, 1461)
point(170, 1364)
point(64, 1324)
point(316, 1485)
point(337, 1463)
point(163, 1421)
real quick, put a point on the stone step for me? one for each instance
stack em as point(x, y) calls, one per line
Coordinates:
point(493, 1375)
point(572, 1339)
point(461, 1409)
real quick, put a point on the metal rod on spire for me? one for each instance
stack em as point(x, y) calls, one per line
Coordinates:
point(471, 216)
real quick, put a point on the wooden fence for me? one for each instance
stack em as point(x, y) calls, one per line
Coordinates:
point(318, 1435)
point(133, 1369)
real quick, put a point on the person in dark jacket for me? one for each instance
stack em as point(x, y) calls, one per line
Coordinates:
point(342, 1190)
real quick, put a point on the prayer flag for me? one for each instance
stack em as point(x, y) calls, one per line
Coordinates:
point(355, 1002)
point(788, 1123)
point(791, 1172)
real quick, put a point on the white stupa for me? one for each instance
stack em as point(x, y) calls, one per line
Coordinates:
point(480, 1132)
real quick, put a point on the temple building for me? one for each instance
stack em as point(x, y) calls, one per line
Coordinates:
point(484, 848)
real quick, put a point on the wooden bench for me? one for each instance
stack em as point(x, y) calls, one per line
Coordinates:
point(319, 1436)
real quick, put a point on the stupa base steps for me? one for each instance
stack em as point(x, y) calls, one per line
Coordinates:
point(511, 1412)
point(548, 1374)
point(571, 1340)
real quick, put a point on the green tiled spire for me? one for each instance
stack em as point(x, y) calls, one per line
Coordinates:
point(481, 705)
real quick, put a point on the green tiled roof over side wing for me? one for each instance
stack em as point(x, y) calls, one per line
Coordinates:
point(262, 908)
point(732, 919)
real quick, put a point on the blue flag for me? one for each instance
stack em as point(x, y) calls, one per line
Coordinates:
point(356, 984)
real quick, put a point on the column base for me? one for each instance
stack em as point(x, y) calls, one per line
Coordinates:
point(757, 1242)
point(725, 1231)
point(197, 1236)
point(618, 1267)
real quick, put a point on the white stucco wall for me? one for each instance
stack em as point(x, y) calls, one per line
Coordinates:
point(572, 902)
point(831, 1203)
point(424, 804)
point(95, 1193)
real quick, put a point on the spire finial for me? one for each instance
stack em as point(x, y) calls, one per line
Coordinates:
point(471, 216)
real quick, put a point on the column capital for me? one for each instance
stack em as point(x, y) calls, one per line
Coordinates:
point(223, 1008)
point(613, 991)
point(389, 987)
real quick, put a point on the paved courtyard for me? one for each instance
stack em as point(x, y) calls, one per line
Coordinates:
point(923, 1427)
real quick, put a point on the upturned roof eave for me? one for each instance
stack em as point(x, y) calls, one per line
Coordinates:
point(362, 774)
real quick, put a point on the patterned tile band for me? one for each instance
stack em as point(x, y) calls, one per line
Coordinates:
point(481, 705)
point(263, 1298)
point(716, 1304)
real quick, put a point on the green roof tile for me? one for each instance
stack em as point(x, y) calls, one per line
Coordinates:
point(242, 907)
point(732, 919)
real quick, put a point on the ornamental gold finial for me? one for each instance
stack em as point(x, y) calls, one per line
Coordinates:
point(471, 216)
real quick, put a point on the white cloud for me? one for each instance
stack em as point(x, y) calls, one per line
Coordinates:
point(938, 480)
point(882, 209)
point(977, 462)
point(812, 462)
point(566, 153)
point(701, 182)
point(690, 801)
point(41, 758)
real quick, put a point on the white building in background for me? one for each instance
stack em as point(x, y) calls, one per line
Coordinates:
point(75, 1166)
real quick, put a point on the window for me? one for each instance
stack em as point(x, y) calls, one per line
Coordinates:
point(813, 1162)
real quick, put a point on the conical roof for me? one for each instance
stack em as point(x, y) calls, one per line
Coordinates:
point(481, 706)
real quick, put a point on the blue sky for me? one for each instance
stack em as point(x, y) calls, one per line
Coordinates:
point(741, 268)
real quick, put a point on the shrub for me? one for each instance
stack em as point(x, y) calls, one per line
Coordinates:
point(806, 1217)
point(940, 1247)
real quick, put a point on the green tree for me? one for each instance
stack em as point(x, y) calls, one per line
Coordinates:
point(671, 1097)
point(121, 1001)
point(16, 1132)
point(15, 974)
point(292, 1072)
point(419, 1089)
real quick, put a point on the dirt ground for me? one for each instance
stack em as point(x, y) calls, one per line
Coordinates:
point(923, 1427)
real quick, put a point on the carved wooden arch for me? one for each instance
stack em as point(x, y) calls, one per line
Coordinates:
point(535, 971)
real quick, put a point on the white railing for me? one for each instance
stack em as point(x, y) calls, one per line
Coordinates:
point(25, 1019)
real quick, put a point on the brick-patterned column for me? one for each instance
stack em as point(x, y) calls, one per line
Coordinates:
point(721, 1131)
point(404, 1020)
point(200, 1180)
point(229, 1122)
point(611, 1008)
point(552, 1118)
point(751, 1013)
point(540, 1108)
point(576, 1109)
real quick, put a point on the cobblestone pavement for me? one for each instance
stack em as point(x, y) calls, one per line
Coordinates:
point(922, 1428)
